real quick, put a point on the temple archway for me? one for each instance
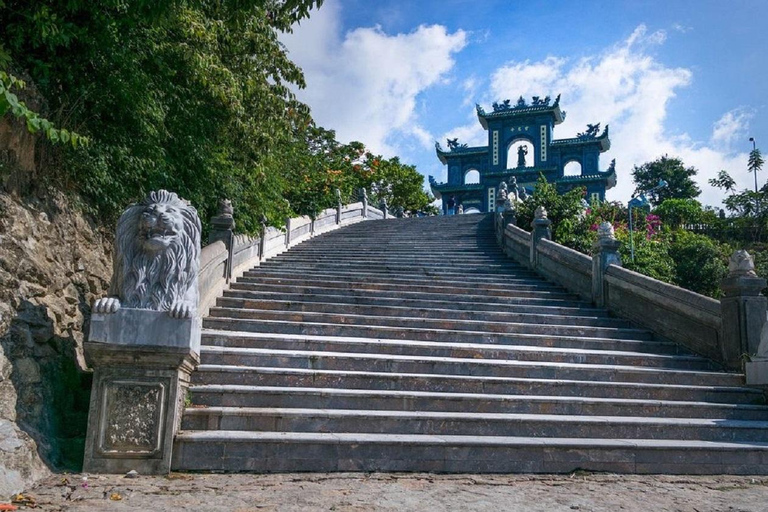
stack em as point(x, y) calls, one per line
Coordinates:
point(516, 155)
point(471, 177)
point(572, 168)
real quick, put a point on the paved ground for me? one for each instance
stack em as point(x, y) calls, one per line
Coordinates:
point(400, 492)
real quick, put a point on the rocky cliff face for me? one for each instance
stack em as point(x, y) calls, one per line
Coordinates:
point(53, 263)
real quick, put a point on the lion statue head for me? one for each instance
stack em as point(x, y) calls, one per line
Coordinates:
point(157, 257)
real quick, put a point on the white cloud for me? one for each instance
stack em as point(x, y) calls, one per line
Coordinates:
point(366, 84)
point(626, 87)
point(732, 127)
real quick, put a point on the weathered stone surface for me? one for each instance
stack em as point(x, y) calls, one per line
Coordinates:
point(53, 263)
point(19, 462)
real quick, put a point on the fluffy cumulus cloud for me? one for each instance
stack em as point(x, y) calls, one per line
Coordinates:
point(627, 87)
point(365, 83)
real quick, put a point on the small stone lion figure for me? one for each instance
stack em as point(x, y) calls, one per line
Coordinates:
point(740, 264)
point(157, 257)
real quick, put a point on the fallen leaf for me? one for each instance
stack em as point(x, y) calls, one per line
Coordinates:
point(115, 496)
point(23, 499)
point(8, 506)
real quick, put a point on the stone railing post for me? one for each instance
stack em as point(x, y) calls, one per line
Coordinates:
point(509, 215)
point(144, 340)
point(364, 199)
point(222, 228)
point(287, 232)
point(338, 207)
point(743, 311)
point(541, 228)
point(605, 252)
point(263, 239)
point(383, 207)
point(399, 212)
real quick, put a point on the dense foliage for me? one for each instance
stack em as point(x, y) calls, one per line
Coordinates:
point(192, 96)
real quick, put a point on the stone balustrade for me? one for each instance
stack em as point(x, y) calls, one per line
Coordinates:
point(729, 331)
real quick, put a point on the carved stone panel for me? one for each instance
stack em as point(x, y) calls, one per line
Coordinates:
point(132, 418)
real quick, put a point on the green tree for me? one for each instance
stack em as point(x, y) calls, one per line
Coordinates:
point(700, 262)
point(675, 212)
point(562, 209)
point(680, 183)
point(190, 96)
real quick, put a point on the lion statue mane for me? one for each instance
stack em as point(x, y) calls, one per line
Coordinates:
point(157, 257)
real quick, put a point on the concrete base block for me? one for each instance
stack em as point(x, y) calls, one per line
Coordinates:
point(757, 373)
point(144, 327)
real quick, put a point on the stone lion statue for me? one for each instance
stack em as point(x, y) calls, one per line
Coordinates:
point(157, 257)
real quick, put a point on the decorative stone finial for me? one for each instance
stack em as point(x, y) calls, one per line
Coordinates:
point(605, 231)
point(502, 193)
point(540, 213)
point(383, 204)
point(461, 209)
point(338, 195)
point(741, 264)
point(157, 257)
point(362, 194)
point(224, 220)
point(225, 207)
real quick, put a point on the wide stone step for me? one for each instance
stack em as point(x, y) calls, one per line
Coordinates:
point(569, 367)
point(421, 260)
point(301, 286)
point(275, 419)
point(365, 299)
point(388, 332)
point(365, 399)
point(508, 286)
point(301, 377)
point(225, 338)
point(412, 312)
point(489, 273)
point(554, 326)
point(324, 452)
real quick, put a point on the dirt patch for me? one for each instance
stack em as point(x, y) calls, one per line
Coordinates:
point(345, 492)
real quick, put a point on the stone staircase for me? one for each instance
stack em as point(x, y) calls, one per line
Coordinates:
point(416, 345)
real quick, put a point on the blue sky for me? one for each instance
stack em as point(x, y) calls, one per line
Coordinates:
point(685, 78)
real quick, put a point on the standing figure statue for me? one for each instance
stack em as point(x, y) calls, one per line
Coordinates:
point(521, 152)
point(514, 191)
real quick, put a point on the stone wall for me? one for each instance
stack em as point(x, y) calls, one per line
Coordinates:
point(53, 263)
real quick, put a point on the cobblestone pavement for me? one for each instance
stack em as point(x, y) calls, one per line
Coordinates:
point(399, 492)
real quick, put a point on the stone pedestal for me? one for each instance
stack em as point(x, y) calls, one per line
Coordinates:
point(541, 228)
point(508, 217)
point(605, 252)
point(744, 314)
point(142, 362)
